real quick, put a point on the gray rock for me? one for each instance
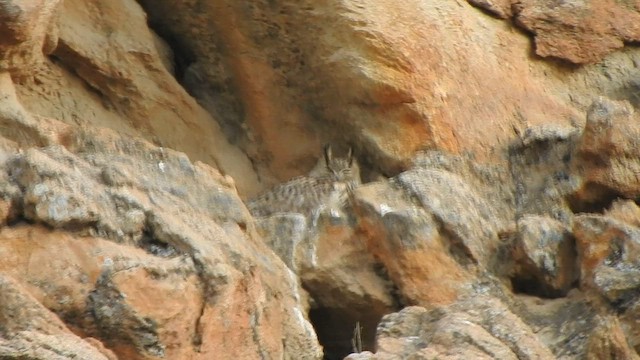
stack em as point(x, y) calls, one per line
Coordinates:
point(477, 328)
point(607, 158)
point(545, 257)
point(286, 234)
point(609, 252)
point(29, 331)
point(465, 217)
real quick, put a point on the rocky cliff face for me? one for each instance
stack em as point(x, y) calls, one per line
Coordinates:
point(497, 141)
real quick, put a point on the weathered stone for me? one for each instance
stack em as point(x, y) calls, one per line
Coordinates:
point(609, 253)
point(478, 328)
point(608, 341)
point(289, 236)
point(499, 8)
point(348, 287)
point(342, 278)
point(628, 322)
point(545, 257)
point(137, 93)
point(467, 222)
point(9, 195)
point(273, 79)
point(63, 190)
point(492, 184)
point(540, 166)
point(25, 26)
point(626, 211)
point(131, 324)
point(608, 156)
point(30, 331)
point(575, 327)
point(269, 84)
point(16, 123)
point(483, 327)
point(420, 261)
point(578, 31)
point(365, 355)
point(610, 265)
point(199, 248)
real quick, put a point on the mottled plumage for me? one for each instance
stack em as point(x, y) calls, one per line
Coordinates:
point(327, 184)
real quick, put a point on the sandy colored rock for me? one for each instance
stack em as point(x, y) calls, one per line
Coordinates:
point(349, 287)
point(136, 92)
point(467, 220)
point(153, 310)
point(500, 8)
point(464, 330)
point(26, 29)
point(626, 211)
point(365, 355)
point(607, 156)
point(608, 341)
point(545, 257)
point(180, 223)
point(284, 83)
point(579, 31)
point(30, 331)
point(17, 124)
point(280, 95)
point(608, 251)
point(563, 324)
point(406, 241)
point(540, 164)
point(628, 323)
point(527, 327)
point(126, 151)
point(290, 237)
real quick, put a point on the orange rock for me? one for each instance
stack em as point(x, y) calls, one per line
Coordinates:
point(405, 240)
point(545, 257)
point(455, 332)
point(30, 330)
point(163, 284)
point(26, 29)
point(606, 157)
point(580, 32)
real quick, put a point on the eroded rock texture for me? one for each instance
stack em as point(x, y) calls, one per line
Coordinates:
point(497, 219)
point(151, 265)
point(576, 31)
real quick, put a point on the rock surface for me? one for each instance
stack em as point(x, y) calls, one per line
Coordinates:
point(27, 30)
point(576, 31)
point(497, 333)
point(498, 218)
point(545, 252)
point(579, 31)
point(165, 278)
point(31, 331)
point(607, 154)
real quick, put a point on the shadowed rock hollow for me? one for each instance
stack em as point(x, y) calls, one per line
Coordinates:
point(497, 142)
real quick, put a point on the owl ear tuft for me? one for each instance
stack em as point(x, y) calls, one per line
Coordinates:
point(328, 156)
point(350, 156)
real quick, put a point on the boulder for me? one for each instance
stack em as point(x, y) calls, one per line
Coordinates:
point(545, 257)
point(607, 156)
point(467, 329)
point(31, 331)
point(176, 230)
